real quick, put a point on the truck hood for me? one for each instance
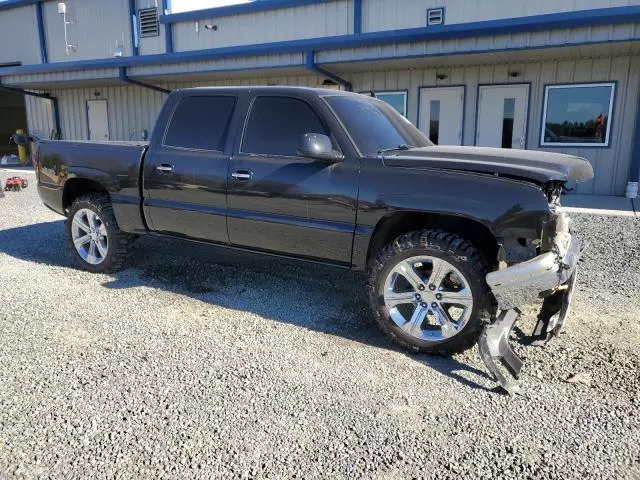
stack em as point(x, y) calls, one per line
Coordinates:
point(533, 165)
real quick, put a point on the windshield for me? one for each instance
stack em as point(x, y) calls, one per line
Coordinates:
point(374, 125)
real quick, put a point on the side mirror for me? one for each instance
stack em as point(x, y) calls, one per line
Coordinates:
point(316, 145)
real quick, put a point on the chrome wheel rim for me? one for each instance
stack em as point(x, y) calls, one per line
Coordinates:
point(89, 236)
point(428, 298)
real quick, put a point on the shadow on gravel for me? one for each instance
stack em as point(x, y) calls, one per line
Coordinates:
point(319, 298)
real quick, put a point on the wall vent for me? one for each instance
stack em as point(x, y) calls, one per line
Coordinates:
point(148, 22)
point(435, 16)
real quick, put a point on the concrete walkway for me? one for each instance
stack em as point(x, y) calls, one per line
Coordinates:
point(601, 205)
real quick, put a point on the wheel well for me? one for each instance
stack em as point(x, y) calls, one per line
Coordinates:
point(396, 224)
point(77, 187)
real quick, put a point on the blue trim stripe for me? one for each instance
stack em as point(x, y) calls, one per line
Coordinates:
point(168, 29)
point(9, 4)
point(606, 16)
point(357, 17)
point(251, 7)
point(41, 36)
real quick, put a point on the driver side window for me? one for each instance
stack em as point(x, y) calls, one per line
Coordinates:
point(276, 125)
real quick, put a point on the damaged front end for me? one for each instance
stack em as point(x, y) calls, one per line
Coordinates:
point(550, 275)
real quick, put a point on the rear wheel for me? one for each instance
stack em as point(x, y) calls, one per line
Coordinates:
point(428, 292)
point(97, 242)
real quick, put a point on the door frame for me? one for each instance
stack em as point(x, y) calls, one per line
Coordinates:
point(106, 101)
point(507, 84)
point(464, 104)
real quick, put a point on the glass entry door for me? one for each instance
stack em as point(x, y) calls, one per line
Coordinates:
point(441, 114)
point(502, 116)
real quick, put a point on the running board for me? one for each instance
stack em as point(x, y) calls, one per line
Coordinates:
point(494, 346)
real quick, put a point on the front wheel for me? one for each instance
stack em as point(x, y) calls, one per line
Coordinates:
point(428, 292)
point(98, 244)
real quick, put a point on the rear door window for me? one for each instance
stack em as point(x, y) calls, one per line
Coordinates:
point(276, 125)
point(200, 123)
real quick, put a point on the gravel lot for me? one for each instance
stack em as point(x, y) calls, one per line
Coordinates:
point(201, 363)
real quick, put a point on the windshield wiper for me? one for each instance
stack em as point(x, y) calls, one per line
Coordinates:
point(402, 146)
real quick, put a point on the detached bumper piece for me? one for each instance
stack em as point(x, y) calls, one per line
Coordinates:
point(552, 276)
point(494, 346)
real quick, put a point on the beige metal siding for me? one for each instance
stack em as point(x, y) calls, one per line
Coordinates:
point(226, 64)
point(61, 77)
point(19, 41)
point(611, 165)
point(310, 21)
point(131, 109)
point(395, 14)
point(98, 28)
point(39, 116)
point(544, 39)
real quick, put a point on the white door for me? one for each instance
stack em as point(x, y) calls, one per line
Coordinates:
point(502, 116)
point(441, 114)
point(98, 118)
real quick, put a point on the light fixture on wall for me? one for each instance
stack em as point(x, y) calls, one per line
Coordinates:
point(328, 83)
point(441, 76)
point(515, 74)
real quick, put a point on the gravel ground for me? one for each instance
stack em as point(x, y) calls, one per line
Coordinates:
point(201, 363)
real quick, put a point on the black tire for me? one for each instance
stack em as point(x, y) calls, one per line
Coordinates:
point(120, 244)
point(460, 253)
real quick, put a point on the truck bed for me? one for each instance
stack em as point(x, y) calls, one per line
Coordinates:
point(113, 165)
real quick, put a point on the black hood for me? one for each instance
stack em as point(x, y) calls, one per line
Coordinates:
point(538, 166)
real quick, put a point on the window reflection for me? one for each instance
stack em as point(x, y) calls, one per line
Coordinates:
point(578, 114)
point(434, 120)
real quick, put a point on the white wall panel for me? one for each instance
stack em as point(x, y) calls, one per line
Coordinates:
point(309, 21)
point(19, 41)
point(98, 28)
point(395, 14)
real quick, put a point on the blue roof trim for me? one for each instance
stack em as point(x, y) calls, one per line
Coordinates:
point(9, 4)
point(583, 18)
point(168, 29)
point(255, 6)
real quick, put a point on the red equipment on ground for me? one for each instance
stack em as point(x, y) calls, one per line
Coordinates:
point(16, 184)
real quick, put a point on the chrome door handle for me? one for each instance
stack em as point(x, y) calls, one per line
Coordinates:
point(242, 174)
point(164, 168)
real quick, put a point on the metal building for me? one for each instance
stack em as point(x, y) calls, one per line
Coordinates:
point(555, 75)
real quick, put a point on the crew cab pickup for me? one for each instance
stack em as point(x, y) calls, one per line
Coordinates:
point(452, 239)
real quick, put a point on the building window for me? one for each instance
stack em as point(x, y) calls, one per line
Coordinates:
point(397, 100)
point(577, 115)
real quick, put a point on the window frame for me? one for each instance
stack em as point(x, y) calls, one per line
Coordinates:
point(545, 100)
point(405, 93)
point(193, 149)
point(272, 155)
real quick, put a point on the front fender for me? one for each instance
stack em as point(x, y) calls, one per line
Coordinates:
point(506, 207)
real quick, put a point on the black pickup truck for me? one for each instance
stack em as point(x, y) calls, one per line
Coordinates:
point(452, 239)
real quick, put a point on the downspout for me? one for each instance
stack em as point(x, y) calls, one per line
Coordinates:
point(168, 27)
point(311, 65)
point(124, 78)
point(634, 169)
point(54, 104)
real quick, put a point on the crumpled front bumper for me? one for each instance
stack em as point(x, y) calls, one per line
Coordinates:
point(551, 275)
point(524, 282)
